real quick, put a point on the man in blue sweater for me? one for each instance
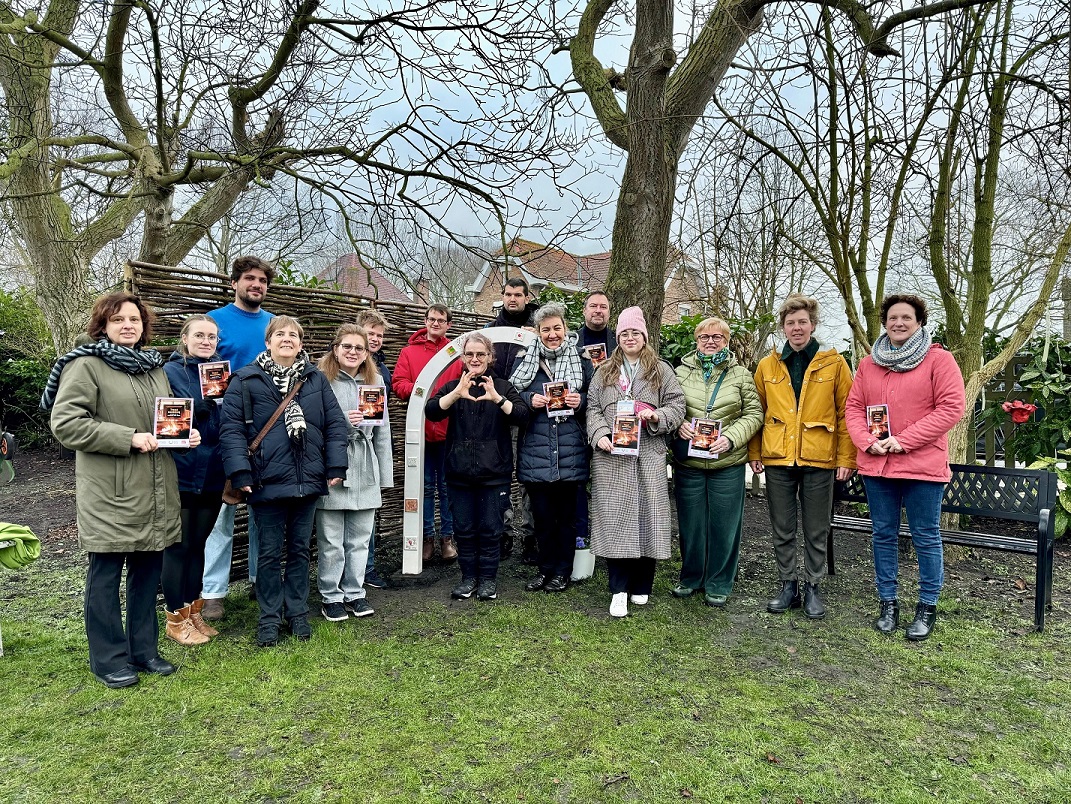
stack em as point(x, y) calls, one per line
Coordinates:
point(242, 324)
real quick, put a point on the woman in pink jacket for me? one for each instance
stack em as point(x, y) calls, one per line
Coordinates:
point(907, 395)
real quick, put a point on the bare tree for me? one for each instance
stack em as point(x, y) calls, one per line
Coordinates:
point(160, 116)
point(666, 94)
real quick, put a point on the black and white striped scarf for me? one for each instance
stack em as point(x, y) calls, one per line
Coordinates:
point(120, 358)
point(564, 362)
point(284, 378)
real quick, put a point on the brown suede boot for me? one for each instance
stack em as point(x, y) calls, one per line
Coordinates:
point(429, 549)
point(449, 549)
point(199, 621)
point(181, 629)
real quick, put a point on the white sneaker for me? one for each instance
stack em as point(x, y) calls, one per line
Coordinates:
point(619, 605)
point(639, 600)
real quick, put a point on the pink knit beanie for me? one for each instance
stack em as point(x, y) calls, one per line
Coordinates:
point(632, 318)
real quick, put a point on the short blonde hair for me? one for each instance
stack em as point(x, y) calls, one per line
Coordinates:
point(372, 318)
point(281, 321)
point(795, 302)
point(713, 322)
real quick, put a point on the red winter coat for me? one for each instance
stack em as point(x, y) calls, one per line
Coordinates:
point(924, 404)
point(411, 361)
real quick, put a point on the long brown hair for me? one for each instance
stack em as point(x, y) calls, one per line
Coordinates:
point(610, 370)
point(328, 364)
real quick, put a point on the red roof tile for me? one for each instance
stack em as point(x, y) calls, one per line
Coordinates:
point(355, 276)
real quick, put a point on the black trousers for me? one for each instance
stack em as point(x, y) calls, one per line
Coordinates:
point(555, 525)
point(184, 563)
point(110, 646)
point(478, 515)
point(285, 530)
point(632, 575)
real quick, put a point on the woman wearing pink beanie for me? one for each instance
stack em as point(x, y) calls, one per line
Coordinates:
point(632, 382)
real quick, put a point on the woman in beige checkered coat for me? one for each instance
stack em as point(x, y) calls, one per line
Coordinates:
point(630, 517)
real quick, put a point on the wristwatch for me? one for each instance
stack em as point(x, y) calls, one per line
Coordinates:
point(501, 401)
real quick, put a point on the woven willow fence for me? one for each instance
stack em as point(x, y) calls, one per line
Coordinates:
point(174, 294)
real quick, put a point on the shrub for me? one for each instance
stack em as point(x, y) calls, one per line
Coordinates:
point(26, 356)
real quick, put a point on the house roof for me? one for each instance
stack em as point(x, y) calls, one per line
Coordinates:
point(356, 276)
point(544, 264)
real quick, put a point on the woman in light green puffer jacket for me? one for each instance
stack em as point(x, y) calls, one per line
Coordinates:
point(710, 491)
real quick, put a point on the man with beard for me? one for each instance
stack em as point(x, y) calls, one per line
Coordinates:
point(242, 324)
point(595, 330)
point(517, 310)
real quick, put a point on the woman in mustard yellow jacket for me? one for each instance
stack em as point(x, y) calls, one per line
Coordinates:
point(802, 446)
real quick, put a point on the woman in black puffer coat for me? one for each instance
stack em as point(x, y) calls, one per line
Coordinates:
point(302, 454)
point(200, 478)
point(552, 451)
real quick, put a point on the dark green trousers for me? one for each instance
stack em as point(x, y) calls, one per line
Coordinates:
point(710, 512)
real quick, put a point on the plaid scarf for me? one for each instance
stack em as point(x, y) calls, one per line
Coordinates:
point(284, 378)
point(564, 363)
point(904, 358)
point(120, 358)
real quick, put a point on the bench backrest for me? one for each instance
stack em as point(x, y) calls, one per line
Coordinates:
point(993, 491)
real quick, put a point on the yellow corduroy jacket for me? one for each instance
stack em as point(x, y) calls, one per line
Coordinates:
point(814, 432)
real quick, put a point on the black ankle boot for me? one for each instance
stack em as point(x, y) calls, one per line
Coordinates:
point(813, 606)
point(888, 616)
point(787, 598)
point(922, 625)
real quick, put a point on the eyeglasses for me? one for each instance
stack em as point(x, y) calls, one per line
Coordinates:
point(200, 336)
point(474, 355)
point(711, 338)
point(349, 347)
point(435, 320)
point(630, 333)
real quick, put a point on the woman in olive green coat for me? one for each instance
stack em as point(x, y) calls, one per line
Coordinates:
point(710, 489)
point(101, 397)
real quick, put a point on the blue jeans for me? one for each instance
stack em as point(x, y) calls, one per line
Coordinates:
point(218, 551)
point(921, 499)
point(435, 480)
point(285, 538)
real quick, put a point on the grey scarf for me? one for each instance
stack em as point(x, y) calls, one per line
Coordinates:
point(905, 358)
point(564, 362)
point(284, 378)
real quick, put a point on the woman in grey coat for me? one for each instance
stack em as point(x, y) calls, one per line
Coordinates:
point(102, 397)
point(346, 516)
point(630, 521)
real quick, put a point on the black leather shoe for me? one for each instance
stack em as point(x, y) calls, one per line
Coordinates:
point(787, 598)
point(813, 606)
point(126, 677)
point(464, 590)
point(922, 625)
point(161, 667)
point(559, 583)
point(888, 616)
point(505, 547)
point(488, 589)
point(537, 583)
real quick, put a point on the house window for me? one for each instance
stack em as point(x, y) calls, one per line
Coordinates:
point(684, 309)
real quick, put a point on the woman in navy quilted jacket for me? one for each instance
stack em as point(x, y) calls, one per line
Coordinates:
point(302, 454)
point(200, 476)
point(552, 450)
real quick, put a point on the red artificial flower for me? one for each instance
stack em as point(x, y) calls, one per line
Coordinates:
point(1020, 411)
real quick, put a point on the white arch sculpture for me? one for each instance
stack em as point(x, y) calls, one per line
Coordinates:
point(413, 506)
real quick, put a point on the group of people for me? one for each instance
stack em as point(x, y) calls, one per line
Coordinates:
point(584, 418)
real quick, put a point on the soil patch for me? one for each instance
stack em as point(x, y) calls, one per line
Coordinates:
point(42, 496)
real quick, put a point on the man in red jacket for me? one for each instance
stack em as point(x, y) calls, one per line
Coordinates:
point(423, 344)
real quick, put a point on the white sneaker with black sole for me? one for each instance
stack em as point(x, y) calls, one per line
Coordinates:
point(359, 607)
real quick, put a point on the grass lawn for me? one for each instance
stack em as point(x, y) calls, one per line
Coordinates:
point(543, 698)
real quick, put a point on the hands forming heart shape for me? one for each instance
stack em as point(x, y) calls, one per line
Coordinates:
point(468, 383)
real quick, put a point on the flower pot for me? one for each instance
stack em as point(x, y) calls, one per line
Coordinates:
point(583, 565)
